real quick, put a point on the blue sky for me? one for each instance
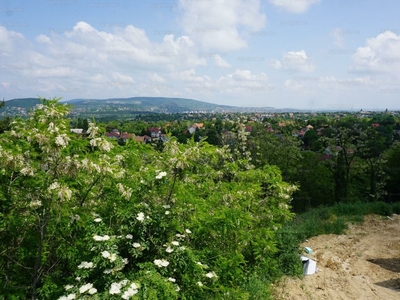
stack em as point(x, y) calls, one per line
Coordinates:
point(310, 54)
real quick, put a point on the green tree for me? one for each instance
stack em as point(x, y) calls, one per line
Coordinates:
point(341, 149)
point(392, 169)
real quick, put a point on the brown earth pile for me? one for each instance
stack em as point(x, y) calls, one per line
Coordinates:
point(362, 264)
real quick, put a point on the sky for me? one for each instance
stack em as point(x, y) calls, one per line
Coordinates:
point(304, 54)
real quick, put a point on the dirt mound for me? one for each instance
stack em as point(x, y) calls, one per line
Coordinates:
point(363, 264)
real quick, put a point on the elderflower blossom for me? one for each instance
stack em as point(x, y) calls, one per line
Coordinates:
point(161, 263)
point(115, 288)
point(169, 250)
point(129, 236)
point(134, 286)
point(105, 254)
point(68, 287)
point(69, 297)
point(211, 275)
point(113, 257)
point(175, 243)
point(85, 288)
point(171, 279)
point(140, 217)
point(99, 238)
point(129, 293)
point(136, 245)
point(92, 291)
point(188, 231)
point(199, 283)
point(161, 175)
point(85, 265)
point(97, 220)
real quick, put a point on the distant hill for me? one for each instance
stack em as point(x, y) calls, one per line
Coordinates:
point(125, 107)
point(153, 104)
point(23, 102)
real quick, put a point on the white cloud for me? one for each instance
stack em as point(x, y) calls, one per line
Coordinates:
point(154, 77)
point(86, 61)
point(190, 76)
point(381, 54)
point(243, 82)
point(294, 61)
point(294, 6)
point(220, 62)
point(214, 24)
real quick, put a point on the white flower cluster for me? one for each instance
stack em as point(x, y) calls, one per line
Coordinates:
point(111, 256)
point(125, 192)
point(35, 203)
point(94, 142)
point(27, 171)
point(52, 128)
point(69, 297)
point(140, 217)
point(211, 275)
point(88, 288)
point(62, 140)
point(161, 263)
point(99, 238)
point(85, 265)
point(129, 292)
point(105, 145)
point(63, 192)
point(161, 175)
point(92, 130)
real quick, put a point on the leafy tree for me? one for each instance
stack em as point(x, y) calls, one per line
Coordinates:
point(341, 150)
point(315, 181)
point(392, 169)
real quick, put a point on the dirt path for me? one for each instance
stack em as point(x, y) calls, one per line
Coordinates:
point(363, 264)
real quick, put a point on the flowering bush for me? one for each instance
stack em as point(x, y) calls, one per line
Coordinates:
point(86, 218)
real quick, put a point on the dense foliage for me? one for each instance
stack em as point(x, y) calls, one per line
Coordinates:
point(86, 218)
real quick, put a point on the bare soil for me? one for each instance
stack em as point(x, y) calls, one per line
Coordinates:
point(362, 264)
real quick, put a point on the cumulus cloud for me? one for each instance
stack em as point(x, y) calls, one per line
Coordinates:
point(297, 61)
point(381, 54)
point(214, 24)
point(294, 6)
point(85, 61)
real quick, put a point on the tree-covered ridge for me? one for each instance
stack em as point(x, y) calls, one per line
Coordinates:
point(91, 219)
